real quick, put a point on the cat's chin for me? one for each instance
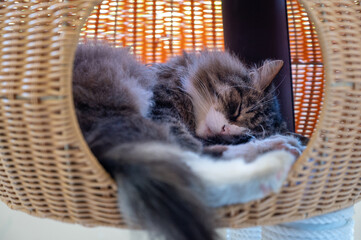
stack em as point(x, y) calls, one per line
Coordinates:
point(226, 139)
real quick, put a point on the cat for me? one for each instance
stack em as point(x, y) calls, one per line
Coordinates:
point(112, 95)
point(164, 181)
point(213, 98)
point(211, 101)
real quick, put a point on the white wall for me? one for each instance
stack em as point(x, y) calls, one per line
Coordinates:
point(358, 221)
point(15, 225)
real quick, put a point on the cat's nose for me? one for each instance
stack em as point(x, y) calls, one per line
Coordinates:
point(225, 130)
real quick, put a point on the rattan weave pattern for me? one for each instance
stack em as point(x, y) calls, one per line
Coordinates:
point(46, 168)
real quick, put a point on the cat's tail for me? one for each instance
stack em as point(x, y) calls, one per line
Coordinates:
point(159, 192)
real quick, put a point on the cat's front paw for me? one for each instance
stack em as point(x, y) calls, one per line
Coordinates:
point(273, 169)
point(235, 181)
point(248, 151)
point(281, 142)
point(251, 150)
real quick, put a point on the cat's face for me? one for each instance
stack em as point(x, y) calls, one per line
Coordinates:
point(228, 99)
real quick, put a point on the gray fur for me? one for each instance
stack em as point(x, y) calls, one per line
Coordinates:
point(210, 71)
point(111, 95)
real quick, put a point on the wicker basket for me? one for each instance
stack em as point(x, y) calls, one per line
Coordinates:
point(47, 170)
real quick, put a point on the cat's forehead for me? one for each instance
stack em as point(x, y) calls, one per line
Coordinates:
point(220, 78)
point(219, 74)
point(221, 64)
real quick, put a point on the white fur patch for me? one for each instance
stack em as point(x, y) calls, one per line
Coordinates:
point(235, 181)
point(211, 124)
point(215, 121)
point(201, 103)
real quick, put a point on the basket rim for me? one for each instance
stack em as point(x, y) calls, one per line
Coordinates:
point(70, 100)
point(327, 73)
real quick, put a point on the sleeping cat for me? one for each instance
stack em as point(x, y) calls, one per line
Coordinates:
point(164, 182)
point(212, 98)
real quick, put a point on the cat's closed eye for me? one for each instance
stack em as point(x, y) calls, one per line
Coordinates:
point(249, 111)
point(237, 112)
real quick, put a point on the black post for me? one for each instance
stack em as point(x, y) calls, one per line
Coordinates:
point(257, 30)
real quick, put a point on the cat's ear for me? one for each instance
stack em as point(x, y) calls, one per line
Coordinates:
point(263, 76)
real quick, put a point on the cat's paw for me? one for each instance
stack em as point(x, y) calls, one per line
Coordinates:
point(253, 149)
point(235, 181)
point(281, 142)
point(273, 170)
point(248, 152)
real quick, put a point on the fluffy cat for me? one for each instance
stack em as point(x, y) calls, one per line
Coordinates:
point(214, 97)
point(211, 100)
point(156, 189)
point(164, 183)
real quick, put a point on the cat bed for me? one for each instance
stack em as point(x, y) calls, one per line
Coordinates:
point(47, 169)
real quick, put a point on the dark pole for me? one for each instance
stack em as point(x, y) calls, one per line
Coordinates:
point(256, 30)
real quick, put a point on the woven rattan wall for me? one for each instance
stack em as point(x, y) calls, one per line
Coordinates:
point(46, 168)
point(157, 30)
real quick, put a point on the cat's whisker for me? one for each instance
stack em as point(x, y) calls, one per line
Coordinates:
point(283, 79)
point(267, 101)
point(259, 104)
point(263, 131)
point(262, 102)
point(271, 93)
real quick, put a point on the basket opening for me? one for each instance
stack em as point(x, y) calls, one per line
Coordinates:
point(157, 30)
